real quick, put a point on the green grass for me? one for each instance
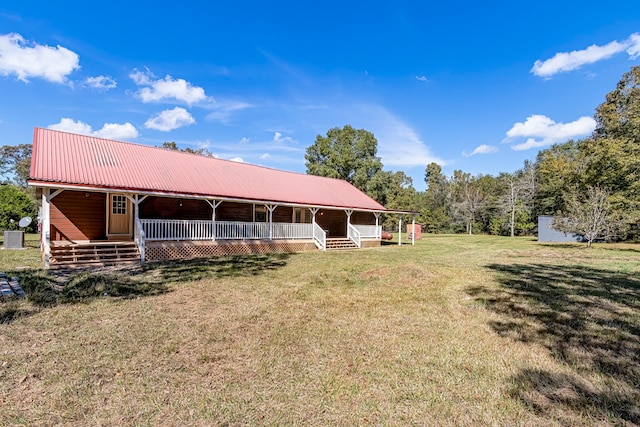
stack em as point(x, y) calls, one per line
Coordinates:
point(457, 330)
point(29, 257)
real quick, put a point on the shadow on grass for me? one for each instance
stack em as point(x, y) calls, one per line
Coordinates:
point(589, 320)
point(228, 266)
point(50, 288)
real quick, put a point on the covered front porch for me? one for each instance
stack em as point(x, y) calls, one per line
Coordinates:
point(172, 227)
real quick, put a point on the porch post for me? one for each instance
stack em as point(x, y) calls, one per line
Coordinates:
point(400, 231)
point(271, 208)
point(378, 234)
point(138, 232)
point(214, 204)
point(45, 232)
point(314, 211)
point(349, 212)
point(46, 226)
point(413, 231)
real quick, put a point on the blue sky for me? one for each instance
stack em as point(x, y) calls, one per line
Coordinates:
point(477, 86)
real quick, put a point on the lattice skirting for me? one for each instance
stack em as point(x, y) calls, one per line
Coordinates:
point(157, 251)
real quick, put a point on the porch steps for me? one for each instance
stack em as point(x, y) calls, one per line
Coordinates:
point(77, 255)
point(334, 244)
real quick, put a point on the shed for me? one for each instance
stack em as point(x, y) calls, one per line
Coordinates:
point(546, 232)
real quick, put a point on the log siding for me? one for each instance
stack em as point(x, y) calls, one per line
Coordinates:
point(77, 215)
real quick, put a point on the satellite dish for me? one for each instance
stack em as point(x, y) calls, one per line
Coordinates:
point(24, 222)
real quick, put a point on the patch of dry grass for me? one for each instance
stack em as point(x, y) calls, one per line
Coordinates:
point(457, 330)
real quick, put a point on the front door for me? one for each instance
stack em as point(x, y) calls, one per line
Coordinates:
point(119, 215)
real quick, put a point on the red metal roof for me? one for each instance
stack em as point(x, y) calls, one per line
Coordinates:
point(66, 159)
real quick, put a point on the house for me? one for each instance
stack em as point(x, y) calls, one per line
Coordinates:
point(106, 201)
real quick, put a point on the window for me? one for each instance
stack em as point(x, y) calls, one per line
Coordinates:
point(260, 214)
point(301, 216)
point(118, 204)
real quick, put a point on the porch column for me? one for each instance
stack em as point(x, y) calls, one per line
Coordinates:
point(314, 211)
point(349, 212)
point(214, 204)
point(46, 226)
point(413, 231)
point(136, 200)
point(400, 231)
point(45, 231)
point(378, 234)
point(138, 231)
point(271, 208)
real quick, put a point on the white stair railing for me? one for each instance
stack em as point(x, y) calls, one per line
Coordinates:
point(368, 231)
point(320, 237)
point(354, 235)
point(140, 239)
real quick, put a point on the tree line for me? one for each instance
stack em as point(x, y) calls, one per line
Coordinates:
point(591, 186)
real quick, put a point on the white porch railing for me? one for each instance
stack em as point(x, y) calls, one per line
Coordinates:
point(238, 230)
point(320, 236)
point(283, 230)
point(140, 238)
point(173, 229)
point(369, 231)
point(353, 235)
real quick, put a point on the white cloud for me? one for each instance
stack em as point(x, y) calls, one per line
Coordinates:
point(70, 125)
point(34, 60)
point(224, 109)
point(166, 89)
point(541, 131)
point(568, 61)
point(481, 149)
point(117, 131)
point(422, 78)
point(265, 156)
point(237, 159)
point(398, 144)
point(244, 140)
point(279, 139)
point(123, 131)
point(170, 120)
point(634, 46)
point(101, 82)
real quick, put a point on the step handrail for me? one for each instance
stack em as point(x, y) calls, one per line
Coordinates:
point(140, 239)
point(319, 237)
point(354, 235)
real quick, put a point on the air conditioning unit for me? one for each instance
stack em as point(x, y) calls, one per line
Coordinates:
point(14, 239)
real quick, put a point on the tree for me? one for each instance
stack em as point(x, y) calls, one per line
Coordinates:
point(557, 168)
point(589, 214)
point(520, 187)
point(394, 190)
point(400, 196)
point(346, 153)
point(614, 151)
point(437, 206)
point(15, 204)
point(468, 198)
point(15, 162)
point(619, 115)
point(173, 146)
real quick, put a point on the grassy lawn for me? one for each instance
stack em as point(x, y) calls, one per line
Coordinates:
point(457, 330)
